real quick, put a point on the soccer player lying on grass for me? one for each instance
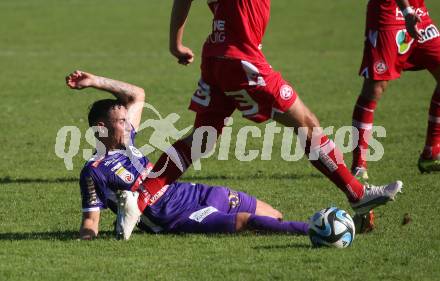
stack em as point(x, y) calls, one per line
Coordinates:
point(118, 167)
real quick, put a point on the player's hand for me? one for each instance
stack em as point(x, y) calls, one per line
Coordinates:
point(184, 54)
point(411, 21)
point(80, 80)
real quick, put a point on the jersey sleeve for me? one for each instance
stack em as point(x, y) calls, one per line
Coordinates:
point(89, 195)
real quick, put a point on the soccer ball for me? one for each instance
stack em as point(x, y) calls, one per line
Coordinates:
point(331, 227)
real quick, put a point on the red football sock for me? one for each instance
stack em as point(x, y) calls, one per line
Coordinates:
point(170, 166)
point(331, 163)
point(363, 117)
point(432, 145)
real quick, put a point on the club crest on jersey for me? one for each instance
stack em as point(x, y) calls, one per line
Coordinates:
point(123, 174)
point(135, 151)
point(429, 33)
point(234, 199)
point(286, 92)
point(380, 67)
point(403, 41)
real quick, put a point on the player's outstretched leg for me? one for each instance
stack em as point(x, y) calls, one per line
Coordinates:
point(329, 160)
point(269, 224)
point(268, 219)
point(363, 118)
point(429, 161)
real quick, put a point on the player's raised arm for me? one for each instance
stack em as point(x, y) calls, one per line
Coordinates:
point(131, 96)
point(179, 15)
point(89, 225)
point(411, 18)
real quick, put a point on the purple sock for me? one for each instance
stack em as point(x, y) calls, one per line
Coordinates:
point(274, 225)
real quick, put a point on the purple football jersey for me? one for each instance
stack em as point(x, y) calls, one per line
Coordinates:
point(103, 175)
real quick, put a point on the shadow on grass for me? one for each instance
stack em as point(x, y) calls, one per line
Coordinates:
point(259, 175)
point(109, 235)
point(6, 180)
point(283, 247)
point(50, 235)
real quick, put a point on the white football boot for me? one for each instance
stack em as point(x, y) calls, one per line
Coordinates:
point(128, 214)
point(375, 196)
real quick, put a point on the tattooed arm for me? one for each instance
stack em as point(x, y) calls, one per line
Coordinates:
point(131, 96)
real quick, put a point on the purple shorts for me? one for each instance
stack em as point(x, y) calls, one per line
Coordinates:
point(215, 211)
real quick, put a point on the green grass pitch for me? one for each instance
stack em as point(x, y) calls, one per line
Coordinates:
point(317, 45)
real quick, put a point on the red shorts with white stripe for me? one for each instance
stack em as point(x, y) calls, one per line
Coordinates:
point(228, 84)
point(388, 52)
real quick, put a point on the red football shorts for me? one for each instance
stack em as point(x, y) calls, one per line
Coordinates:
point(228, 84)
point(387, 53)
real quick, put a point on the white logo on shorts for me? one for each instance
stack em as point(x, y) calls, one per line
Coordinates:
point(429, 33)
point(286, 92)
point(200, 215)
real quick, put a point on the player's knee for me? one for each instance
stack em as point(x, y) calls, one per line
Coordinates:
point(205, 139)
point(308, 120)
point(277, 214)
point(379, 88)
point(241, 221)
point(436, 94)
point(188, 139)
point(436, 73)
point(264, 209)
point(312, 121)
point(373, 90)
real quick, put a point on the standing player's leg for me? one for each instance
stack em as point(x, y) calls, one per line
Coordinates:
point(430, 158)
point(363, 117)
point(178, 158)
point(300, 116)
point(211, 107)
point(382, 61)
point(330, 161)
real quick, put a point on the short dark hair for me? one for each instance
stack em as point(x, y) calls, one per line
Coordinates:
point(100, 109)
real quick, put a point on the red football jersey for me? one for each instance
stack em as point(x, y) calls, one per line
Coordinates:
point(238, 28)
point(386, 15)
